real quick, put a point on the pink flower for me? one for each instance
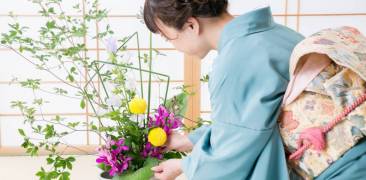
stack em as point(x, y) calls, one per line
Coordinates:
point(163, 119)
point(151, 151)
point(113, 155)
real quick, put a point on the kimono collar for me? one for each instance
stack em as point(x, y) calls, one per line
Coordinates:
point(248, 23)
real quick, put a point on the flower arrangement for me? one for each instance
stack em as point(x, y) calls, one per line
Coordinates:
point(118, 156)
point(132, 137)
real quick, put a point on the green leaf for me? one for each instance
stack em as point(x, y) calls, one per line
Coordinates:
point(50, 160)
point(33, 151)
point(72, 69)
point(178, 104)
point(41, 173)
point(60, 91)
point(58, 118)
point(51, 24)
point(71, 159)
point(79, 32)
point(31, 83)
point(71, 78)
point(94, 127)
point(172, 155)
point(73, 124)
point(69, 165)
point(144, 173)
point(82, 104)
point(49, 131)
point(205, 78)
point(65, 176)
point(21, 132)
point(25, 144)
point(51, 10)
point(53, 174)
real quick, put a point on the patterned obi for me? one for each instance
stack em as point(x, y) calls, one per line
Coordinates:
point(327, 78)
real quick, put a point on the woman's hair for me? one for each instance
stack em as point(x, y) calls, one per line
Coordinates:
point(175, 13)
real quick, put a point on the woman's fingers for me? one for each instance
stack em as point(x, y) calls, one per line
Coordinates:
point(158, 172)
point(158, 176)
point(157, 169)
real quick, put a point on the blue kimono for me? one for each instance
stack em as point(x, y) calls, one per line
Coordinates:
point(247, 84)
point(352, 165)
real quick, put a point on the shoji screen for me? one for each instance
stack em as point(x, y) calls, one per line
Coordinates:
point(304, 16)
point(123, 20)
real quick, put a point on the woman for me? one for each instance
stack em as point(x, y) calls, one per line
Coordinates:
point(247, 84)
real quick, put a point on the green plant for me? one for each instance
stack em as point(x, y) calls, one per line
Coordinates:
point(60, 50)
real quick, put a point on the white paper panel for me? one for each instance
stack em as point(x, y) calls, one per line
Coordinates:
point(310, 25)
point(291, 6)
point(333, 6)
point(292, 22)
point(238, 7)
point(9, 131)
point(11, 137)
point(56, 103)
point(205, 97)
point(122, 6)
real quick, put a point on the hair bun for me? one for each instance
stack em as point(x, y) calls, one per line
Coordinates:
point(175, 13)
point(200, 1)
point(207, 8)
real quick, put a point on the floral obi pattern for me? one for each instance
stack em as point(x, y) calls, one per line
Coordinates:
point(337, 86)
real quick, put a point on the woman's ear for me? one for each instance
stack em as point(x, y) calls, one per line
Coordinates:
point(193, 25)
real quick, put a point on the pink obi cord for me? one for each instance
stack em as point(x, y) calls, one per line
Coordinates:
point(315, 137)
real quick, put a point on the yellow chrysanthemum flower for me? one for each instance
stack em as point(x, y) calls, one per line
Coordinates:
point(137, 105)
point(157, 137)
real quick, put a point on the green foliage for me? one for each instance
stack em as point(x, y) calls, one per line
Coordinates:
point(60, 171)
point(205, 78)
point(60, 50)
point(31, 83)
point(58, 46)
point(178, 104)
point(142, 173)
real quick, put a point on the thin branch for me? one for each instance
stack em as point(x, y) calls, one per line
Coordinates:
point(30, 61)
point(49, 92)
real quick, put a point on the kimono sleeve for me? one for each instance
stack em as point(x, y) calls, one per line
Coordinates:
point(197, 133)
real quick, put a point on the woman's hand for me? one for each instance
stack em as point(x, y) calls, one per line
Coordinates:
point(168, 170)
point(179, 142)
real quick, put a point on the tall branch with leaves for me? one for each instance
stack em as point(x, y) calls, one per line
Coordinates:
point(60, 49)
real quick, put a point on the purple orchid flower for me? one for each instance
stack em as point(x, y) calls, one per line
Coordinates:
point(163, 119)
point(113, 155)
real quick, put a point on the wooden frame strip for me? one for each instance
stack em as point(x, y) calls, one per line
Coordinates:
point(192, 73)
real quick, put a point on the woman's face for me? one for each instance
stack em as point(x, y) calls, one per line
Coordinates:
point(189, 39)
